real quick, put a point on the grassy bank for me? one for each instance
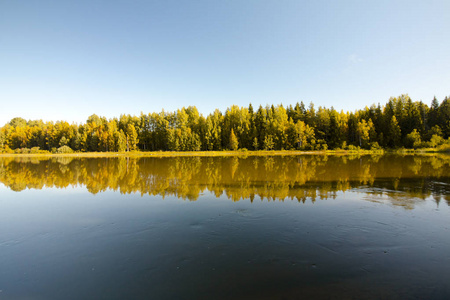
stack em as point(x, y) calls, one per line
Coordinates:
point(194, 153)
point(441, 149)
point(239, 153)
point(166, 154)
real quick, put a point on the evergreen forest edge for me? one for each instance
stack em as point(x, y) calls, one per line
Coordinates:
point(401, 123)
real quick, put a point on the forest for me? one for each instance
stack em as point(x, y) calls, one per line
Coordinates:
point(400, 123)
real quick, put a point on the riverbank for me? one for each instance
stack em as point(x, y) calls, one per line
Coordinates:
point(239, 153)
point(189, 153)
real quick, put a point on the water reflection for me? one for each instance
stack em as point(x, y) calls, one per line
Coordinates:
point(402, 179)
point(68, 244)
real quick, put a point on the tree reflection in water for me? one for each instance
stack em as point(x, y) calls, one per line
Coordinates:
point(403, 180)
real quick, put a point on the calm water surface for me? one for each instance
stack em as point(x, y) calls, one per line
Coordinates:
point(303, 227)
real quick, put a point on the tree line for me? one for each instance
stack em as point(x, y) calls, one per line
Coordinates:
point(401, 122)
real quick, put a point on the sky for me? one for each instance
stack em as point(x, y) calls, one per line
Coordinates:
point(67, 60)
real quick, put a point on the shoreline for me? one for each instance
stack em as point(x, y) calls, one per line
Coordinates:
point(166, 154)
point(218, 153)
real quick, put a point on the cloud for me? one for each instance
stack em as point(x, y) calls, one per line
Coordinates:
point(354, 59)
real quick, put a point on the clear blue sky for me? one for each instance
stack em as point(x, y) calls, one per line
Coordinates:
point(65, 60)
